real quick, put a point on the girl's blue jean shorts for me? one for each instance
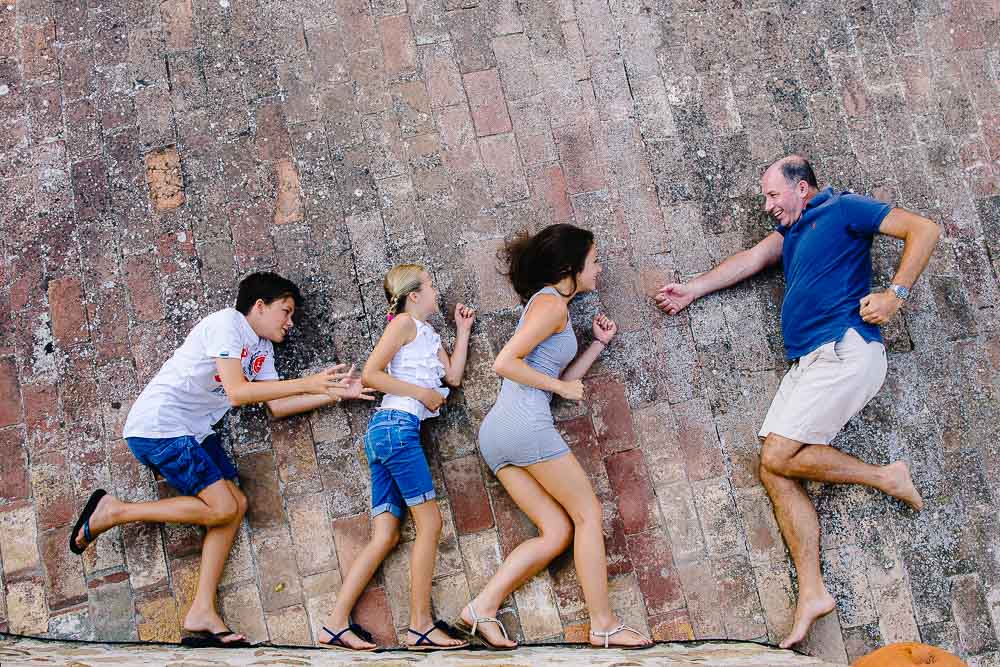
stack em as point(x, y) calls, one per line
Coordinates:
point(186, 464)
point(398, 466)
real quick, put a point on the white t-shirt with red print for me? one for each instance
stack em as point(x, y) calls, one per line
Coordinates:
point(186, 396)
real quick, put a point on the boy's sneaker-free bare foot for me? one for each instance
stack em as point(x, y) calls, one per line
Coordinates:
point(900, 485)
point(201, 621)
point(807, 612)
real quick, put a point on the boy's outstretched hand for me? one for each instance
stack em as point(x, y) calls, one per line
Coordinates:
point(324, 381)
point(464, 317)
point(351, 387)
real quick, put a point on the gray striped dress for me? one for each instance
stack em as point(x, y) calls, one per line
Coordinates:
point(519, 429)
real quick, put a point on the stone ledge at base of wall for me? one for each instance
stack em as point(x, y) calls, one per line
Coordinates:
point(23, 651)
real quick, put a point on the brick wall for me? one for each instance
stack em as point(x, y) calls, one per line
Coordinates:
point(151, 153)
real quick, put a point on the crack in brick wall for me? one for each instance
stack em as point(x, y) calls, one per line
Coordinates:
point(153, 153)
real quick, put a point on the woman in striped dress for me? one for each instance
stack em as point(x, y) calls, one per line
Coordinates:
point(520, 443)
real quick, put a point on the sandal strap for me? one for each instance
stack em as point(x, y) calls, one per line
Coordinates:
point(610, 633)
point(438, 625)
point(86, 532)
point(477, 619)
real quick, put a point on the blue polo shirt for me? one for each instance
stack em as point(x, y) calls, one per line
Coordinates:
point(827, 260)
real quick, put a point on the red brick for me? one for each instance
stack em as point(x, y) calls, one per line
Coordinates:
point(513, 525)
point(357, 27)
point(38, 57)
point(41, 409)
point(10, 393)
point(548, 192)
point(673, 626)
point(486, 100)
point(55, 503)
point(144, 289)
point(45, 112)
point(108, 315)
point(372, 612)
point(503, 166)
point(612, 417)
point(368, 72)
point(630, 487)
point(582, 440)
point(412, 105)
point(398, 46)
point(655, 572)
point(329, 61)
point(699, 440)
point(350, 534)
point(177, 24)
point(312, 533)
point(288, 207)
point(469, 502)
point(252, 242)
point(513, 54)
point(470, 33)
point(164, 178)
point(615, 540)
point(461, 153)
point(13, 466)
point(530, 118)
point(280, 585)
point(740, 604)
point(577, 154)
point(440, 71)
point(157, 617)
point(259, 481)
point(63, 569)
point(69, 319)
point(144, 553)
point(272, 141)
point(179, 539)
point(704, 602)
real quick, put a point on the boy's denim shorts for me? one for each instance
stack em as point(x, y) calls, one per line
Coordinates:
point(399, 470)
point(186, 464)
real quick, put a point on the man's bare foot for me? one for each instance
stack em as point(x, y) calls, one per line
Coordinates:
point(489, 631)
point(101, 520)
point(209, 621)
point(900, 485)
point(807, 611)
point(348, 638)
point(624, 637)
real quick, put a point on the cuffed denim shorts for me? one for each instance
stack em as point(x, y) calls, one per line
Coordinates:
point(186, 464)
point(398, 466)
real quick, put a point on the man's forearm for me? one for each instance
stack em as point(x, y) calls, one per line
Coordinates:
point(730, 271)
point(918, 245)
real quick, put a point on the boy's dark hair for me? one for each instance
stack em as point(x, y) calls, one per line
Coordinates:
point(546, 258)
point(266, 286)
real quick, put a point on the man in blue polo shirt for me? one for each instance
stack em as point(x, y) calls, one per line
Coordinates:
point(830, 322)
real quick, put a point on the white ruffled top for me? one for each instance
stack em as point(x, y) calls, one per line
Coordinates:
point(417, 362)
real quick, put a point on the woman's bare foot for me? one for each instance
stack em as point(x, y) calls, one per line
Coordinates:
point(434, 634)
point(624, 637)
point(900, 485)
point(348, 638)
point(489, 631)
point(101, 520)
point(807, 611)
point(209, 621)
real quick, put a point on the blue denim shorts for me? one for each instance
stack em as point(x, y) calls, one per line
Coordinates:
point(186, 464)
point(398, 466)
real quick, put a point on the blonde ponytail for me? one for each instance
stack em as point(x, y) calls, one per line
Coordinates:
point(399, 282)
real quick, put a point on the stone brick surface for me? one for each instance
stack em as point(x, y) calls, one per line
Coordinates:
point(153, 153)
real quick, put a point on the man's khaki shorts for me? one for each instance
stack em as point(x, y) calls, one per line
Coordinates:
point(825, 388)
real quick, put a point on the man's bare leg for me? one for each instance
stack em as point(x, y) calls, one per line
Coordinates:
point(822, 463)
point(800, 527)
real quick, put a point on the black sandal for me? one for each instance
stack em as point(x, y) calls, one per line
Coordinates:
point(84, 522)
point(209, 639)
point(338, 643)
point(425, 643)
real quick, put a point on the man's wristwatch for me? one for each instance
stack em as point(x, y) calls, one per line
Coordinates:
point(902, 293)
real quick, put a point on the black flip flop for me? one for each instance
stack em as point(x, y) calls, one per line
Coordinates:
point(84, 522)
point(208, 639)
point(338, 643)
point(425, 643)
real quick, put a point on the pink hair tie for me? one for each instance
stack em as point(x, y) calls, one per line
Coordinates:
point(388, 317)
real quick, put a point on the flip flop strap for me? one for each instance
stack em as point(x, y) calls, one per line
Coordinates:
point(422, 636)
point(86, 532)
point(335, 636)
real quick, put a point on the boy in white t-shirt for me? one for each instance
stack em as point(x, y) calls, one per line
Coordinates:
point(227, 360)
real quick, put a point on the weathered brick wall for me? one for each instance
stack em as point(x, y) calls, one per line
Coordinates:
point(152, 152)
